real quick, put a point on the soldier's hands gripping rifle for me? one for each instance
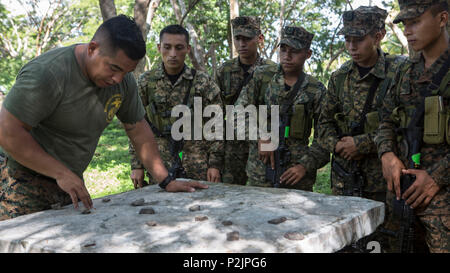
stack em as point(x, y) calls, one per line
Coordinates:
point(353, 178)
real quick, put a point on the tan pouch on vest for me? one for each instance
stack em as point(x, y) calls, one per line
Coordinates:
point(298, 122)
point(447, 126)
point(372, 122)
point(434, 120)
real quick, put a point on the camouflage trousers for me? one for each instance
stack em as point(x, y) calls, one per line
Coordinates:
point(432, 225)
point(24, 193)
point(195, 161)
point(236, 156)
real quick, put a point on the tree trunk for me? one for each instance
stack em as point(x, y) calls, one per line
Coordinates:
point(234, 12)
point(142, 8)
point(197, 53)
point(108, 9)
point(280, 27)
point(140, 15)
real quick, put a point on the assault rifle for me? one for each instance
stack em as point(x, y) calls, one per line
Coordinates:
point(281, 155)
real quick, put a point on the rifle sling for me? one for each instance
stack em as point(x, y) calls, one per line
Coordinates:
point(368, 103)
point(243, 83)
point(289, 101)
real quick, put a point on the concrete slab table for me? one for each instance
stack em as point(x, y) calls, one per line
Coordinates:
point(224, 218)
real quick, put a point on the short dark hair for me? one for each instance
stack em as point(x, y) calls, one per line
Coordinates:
point(121, 32)
point(174, 29)
point(439, 7)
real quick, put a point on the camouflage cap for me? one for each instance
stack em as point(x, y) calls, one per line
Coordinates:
point(248, 26)
point(414, 8)
point(296, 37)
point(362, 21)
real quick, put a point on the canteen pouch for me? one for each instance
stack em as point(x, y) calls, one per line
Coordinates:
point(298, 122)
point(434, 120)
point(372, 122)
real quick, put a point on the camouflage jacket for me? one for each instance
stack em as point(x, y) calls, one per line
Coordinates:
point(156, 83)
point(347, 94)
point(267, 88)
point(230, 75)
point(404, 93)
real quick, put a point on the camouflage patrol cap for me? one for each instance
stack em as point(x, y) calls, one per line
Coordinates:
point(414, 8)
point(248, 26)
point(362, 21)
point(296, 37)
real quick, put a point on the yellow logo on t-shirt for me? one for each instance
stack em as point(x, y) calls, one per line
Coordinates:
point(112, 106)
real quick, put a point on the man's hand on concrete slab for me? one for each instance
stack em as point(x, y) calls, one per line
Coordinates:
point(184, 186)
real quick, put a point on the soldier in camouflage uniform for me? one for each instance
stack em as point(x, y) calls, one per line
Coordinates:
point(425, 28)
point(231, 77)
point(343, 130)
point(163, 88)
point(272, 85)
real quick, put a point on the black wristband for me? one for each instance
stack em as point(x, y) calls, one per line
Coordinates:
point(170, 177)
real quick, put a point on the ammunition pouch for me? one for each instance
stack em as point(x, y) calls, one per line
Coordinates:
point(353, 128)
point(348, 127)
point(372, 122)
point(301, 123)
point(434, 120)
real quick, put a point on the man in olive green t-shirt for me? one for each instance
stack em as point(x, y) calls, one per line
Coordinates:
point(52, 119)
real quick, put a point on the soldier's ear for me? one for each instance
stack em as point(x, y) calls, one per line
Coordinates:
point(188, 48)
point(309, 53)
point(379, 35)
point(261, 38)
point(159, 48)
point(92, 46)
point(444, 19)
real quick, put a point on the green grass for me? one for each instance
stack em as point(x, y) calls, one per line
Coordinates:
point(109, 171)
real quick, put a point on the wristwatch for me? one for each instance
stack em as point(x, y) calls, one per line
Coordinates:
point(170, 177)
